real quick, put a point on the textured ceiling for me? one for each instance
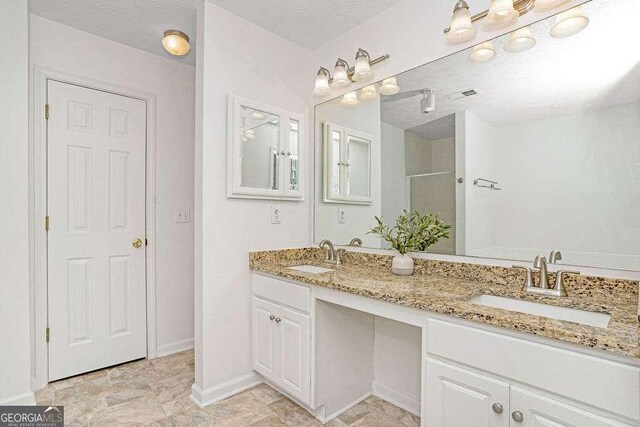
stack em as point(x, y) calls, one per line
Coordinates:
point(136, 23)
point(596, 68)
point(308, 23)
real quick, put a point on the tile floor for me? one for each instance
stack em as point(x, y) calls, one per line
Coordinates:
point(156, 392)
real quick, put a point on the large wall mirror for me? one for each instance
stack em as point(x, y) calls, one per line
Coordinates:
point(524, 147)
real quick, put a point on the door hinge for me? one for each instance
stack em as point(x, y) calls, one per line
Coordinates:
point(47, 334)
point(46, 111)
point(46, 223)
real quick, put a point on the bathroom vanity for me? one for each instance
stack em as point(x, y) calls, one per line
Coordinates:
point(313, 338)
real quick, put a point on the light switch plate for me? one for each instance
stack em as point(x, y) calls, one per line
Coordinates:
point(275, 215)
point(341, 216)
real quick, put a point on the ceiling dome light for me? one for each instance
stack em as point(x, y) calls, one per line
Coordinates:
point(368, 92)
point(461, 29)
point(322, 83)
point(340, 78)
point(389, 86)
point(362, 69)
point(569, 22)
point(520, 40)
point(484, 52)
point(501, 15)
point(542, 5)
point(176, 42)
point(349, 100)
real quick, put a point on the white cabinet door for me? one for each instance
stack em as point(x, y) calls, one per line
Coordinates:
point(294, 353)
point(537, 410)
point(263, 338)
point(457, 397)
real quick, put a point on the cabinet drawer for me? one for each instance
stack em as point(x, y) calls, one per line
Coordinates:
point(598, 382)
point(290, 294)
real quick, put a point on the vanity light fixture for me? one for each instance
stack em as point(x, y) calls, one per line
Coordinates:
point(520, 40)
point(368, 92)
point(569, 22)
point(484, 52)
point(343, 75)
point(176, 42)
point(389, 86)
point(350, 100)
point(542, 5)
point(501, 14)
point(461, 29)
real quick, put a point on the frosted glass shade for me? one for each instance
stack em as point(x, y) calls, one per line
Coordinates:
point(389, 86)
point(340, 78)
point(501, 15)
point(362, 70)
point(569, 22)
point(349, 100)
point(520, 40)
point(368, 92)
point(484, 52)
point(542, 5)
point(176, 42)
point(462, 29)
point(322, 84)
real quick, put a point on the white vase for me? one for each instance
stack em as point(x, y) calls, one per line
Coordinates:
point(402, 265)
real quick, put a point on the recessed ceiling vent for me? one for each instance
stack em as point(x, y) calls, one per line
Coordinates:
point(463, 94)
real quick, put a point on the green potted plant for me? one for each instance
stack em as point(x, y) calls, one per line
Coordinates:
point(412, 232)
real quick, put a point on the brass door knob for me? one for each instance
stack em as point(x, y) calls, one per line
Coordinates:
point(136, 243)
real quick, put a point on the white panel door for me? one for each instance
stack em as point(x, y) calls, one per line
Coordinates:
point(96, 204)
point(263, 336)
point(456, 397)
point(544, 411)
point(294, 353)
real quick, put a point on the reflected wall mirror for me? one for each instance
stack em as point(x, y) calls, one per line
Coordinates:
point(527, 152)
point(264, 151)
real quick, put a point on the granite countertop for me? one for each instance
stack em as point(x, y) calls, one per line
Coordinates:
point(446, 288)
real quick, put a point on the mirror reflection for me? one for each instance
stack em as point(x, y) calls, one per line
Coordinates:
point(260, 135)
point(526, 144)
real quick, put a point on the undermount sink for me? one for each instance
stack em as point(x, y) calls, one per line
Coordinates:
point(311, 269)
point(589, 318)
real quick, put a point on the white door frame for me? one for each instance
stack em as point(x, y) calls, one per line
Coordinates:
point(38, 211)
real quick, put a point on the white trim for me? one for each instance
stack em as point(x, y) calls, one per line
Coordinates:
point(174, 347)
point(217, 393)
point(27, 398)
point(326, 419)
point(38, 209)
point(397, 397)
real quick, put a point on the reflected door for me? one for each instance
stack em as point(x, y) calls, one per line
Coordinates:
point(96, 205)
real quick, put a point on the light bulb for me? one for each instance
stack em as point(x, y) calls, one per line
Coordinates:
point(349, 100)
point(484, 52)
point(362, 69)
point(340, 78)
point(569, 22)
point(520, 40)
point(249, 134)
point(542, 5)
point(501, 15)
point(368, 92)
point(389, 86)
point(322, 83)
point(461, 29)
point(176, 42)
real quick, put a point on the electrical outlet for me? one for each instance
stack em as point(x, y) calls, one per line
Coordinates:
point(182, 215)
point(341, 218)
point(275, 215)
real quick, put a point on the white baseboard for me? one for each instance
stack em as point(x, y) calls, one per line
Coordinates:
point(326, 419)
point(174, 347)
point(27, 398)
point(214, 394)
point(396, 397)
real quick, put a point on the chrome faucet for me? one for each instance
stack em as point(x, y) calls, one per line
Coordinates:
point(555, 256)
point(543, 288)
point(333, 255)
point(356, 241)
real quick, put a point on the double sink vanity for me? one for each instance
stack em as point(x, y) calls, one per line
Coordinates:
point(489, 353)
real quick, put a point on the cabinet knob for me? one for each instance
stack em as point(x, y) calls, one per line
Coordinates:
point(272, 317)
point(517, 416)
point(278, 320)
point(497, 408)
